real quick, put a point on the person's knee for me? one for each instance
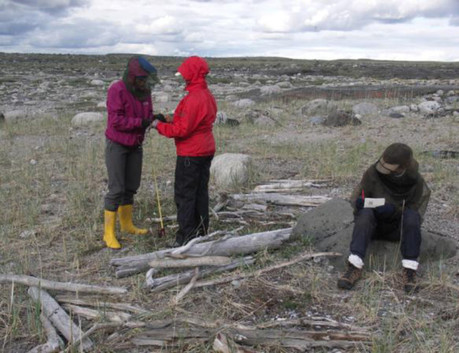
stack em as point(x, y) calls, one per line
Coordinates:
point(365, 215)
point(411, 218)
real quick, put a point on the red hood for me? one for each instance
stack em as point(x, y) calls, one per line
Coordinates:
point(194, 70)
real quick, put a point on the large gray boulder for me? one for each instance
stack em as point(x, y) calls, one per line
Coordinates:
point(329, 228)
point(230, 171)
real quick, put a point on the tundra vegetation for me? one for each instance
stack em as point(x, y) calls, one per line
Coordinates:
point(53, 179)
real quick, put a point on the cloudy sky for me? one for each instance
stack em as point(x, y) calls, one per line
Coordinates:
point(309, 29)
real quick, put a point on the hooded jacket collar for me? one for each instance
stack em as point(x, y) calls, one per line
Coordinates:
point(194, 71)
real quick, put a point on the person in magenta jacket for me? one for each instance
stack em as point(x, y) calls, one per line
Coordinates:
point(191, 128)
point(130, 113)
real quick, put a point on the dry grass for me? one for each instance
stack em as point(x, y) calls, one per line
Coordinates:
point(52, 184)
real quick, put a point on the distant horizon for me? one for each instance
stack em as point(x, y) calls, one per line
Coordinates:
point(226, 57)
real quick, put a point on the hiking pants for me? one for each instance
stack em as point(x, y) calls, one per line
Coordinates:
point(367, 226)
point(124, 168)
point(191, 195)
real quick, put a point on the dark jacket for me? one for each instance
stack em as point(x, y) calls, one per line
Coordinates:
point(409, 188)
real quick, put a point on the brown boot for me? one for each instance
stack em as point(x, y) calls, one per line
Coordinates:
point(350, 277)
point(409, 281)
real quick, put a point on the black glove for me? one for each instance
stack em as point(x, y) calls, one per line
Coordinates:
point(385, 210)
point(146, 123)
point(160, 117)
point(359, 203)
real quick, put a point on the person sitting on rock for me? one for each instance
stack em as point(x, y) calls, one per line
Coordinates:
point(395, 179)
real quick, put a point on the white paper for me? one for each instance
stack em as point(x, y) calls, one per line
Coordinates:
point(372, 203)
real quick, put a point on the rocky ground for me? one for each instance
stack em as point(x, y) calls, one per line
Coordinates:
point(295, 119)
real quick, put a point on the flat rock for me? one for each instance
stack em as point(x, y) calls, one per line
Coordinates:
point(329, 227)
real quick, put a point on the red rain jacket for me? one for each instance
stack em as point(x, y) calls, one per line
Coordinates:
point(125, 113)
point(195, 114)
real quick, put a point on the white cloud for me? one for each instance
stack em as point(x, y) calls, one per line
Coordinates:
point(322, 29)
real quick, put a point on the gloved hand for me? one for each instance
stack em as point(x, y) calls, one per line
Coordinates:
point(385, 210)
point(359, 203)
point(160, 117)
point(146, 123)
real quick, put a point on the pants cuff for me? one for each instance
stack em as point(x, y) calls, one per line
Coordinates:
point(411, 264)
point(356, 261)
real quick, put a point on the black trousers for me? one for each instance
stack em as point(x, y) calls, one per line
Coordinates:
point(124, 169)
point(191, 192)
point(368, 226)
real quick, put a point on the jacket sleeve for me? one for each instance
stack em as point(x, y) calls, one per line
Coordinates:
point(421, 197)
point(117, 112)
point(186, 120)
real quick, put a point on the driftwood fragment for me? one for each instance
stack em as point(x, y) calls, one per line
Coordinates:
point(282, 199)
point(59, 318)
point(98, 314)
point(72, 287)
point(54, 342)
point(296, 338)
point(101, 305)
point(238, 245)
point(299, 258)
point(191, 262)
point(163, 283)
point(289, 185)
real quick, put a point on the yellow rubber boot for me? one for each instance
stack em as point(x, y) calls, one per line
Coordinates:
point(125, 213)
point(109, 233)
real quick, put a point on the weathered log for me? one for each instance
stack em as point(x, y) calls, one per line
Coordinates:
point(72, 287)
point(232, 246)
point(59, 318)
point(286, 338)
point(163, 283)
point(54, 342)
point(191, 262)
point(282, 199)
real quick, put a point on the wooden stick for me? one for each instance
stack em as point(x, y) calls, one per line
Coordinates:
point(160, 284)
point(283, 200)
point(302, 257)
point(191, 262)
point(59, 317)
point(95, 302)
point(72, 287)
point(98, 314)
point(187, 288)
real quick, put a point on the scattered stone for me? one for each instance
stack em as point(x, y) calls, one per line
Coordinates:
point(88, 118)
point(270, 90)
point(341, 118)
point(97, 83)
point(401, 109)
point(230, 171)
point(442, 154)
point(244, 103)
point(396, 115)
point(428, 107)
point(318, 106)
point(317, 120)
point(160, 97)
point(365, 109)
point(27, 234)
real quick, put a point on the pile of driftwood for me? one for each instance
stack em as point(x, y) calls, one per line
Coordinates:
point(130, 326)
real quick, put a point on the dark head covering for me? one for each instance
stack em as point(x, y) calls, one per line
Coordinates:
point(139, 67)
point(398, 153)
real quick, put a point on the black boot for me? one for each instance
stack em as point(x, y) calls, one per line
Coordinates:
point(350, 277)
point(409, 281)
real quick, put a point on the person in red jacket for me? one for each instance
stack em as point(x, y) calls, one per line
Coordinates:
point(191, 129)
point(130, 112)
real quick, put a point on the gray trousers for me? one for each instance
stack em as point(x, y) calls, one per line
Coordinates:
point(124, 168)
